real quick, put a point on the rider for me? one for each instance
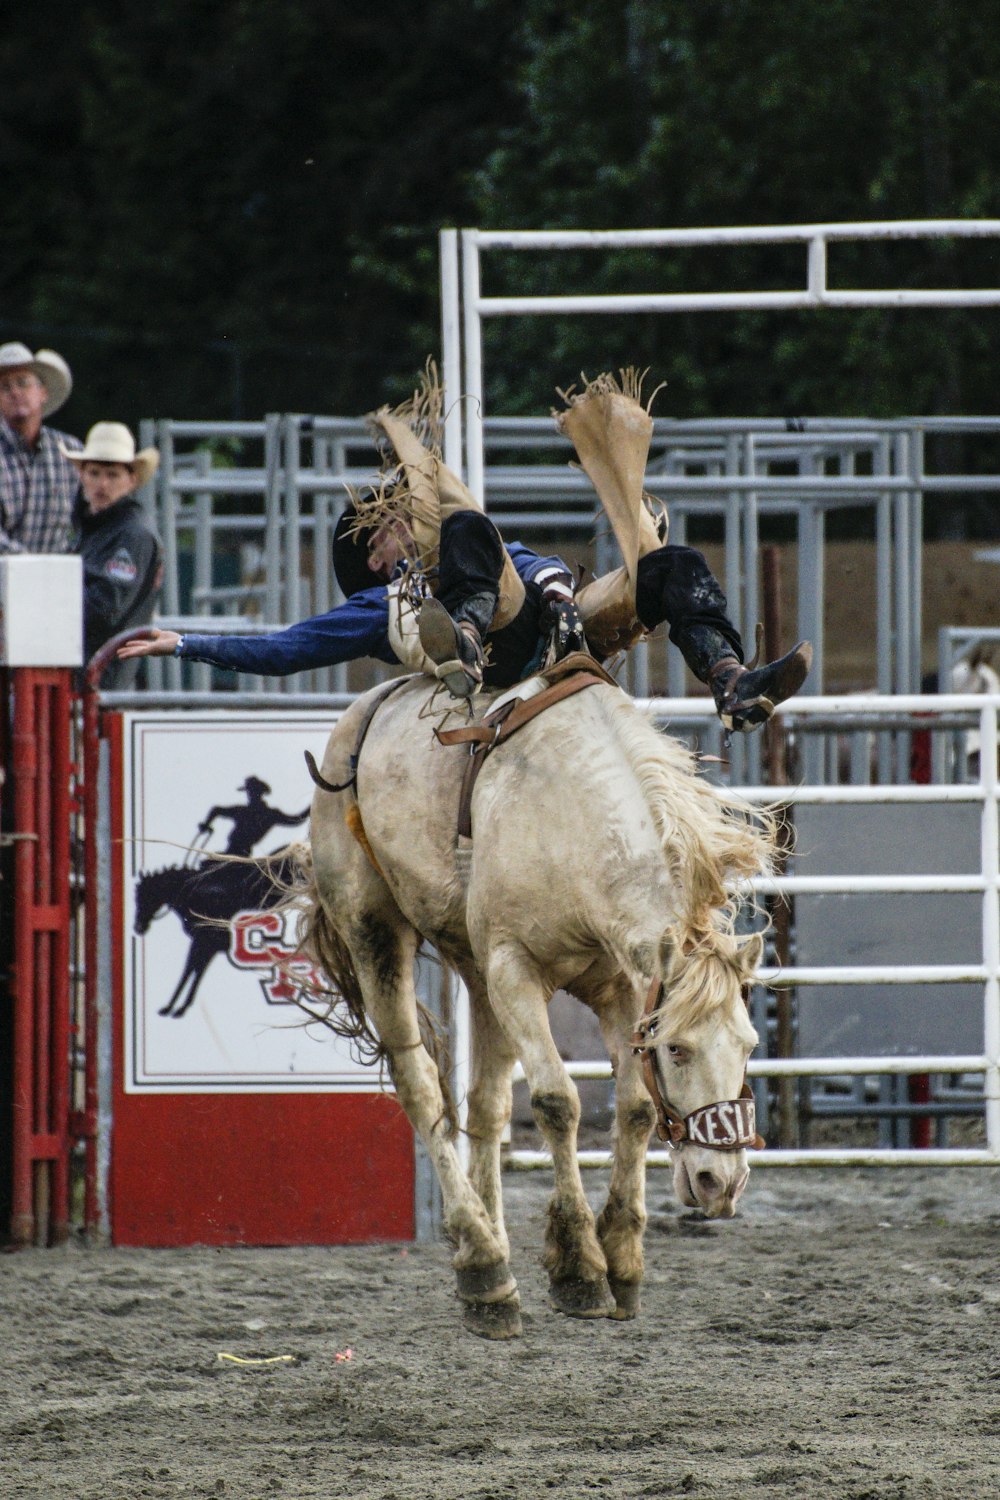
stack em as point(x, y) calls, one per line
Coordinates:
point(430, 583)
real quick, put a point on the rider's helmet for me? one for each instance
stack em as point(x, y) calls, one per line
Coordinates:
point(351, 542)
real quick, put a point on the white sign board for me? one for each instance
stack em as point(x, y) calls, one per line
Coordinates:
point(209, 1004)
point(41, 610)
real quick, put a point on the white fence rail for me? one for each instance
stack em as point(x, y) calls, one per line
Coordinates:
point(982, 713)
point(465, 306)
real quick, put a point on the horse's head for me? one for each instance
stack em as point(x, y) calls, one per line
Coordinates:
point(696, 1046)
point(152, 891)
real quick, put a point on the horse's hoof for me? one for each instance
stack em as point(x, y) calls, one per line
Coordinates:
point(485, 1284)
point(164, 1011)
point(494, 1320)
point(626, 1295)
point(582, 1299)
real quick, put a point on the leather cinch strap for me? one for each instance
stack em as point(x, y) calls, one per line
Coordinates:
point(728, 1125)
point(573, 674)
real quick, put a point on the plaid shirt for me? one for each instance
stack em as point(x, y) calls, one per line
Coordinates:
point(37, 490)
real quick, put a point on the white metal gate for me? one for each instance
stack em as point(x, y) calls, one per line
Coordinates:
point(463, 309)
point(984, 881)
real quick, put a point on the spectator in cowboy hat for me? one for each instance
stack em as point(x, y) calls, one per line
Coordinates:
point(38, 483)
point(122, 556)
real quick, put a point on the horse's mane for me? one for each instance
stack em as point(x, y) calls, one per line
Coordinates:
point(158, 874)
point(712, 839)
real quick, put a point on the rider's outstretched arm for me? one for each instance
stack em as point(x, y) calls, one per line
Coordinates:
point(353, 630)
point(290, 820)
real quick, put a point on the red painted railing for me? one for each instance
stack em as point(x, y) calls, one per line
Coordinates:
point(40, 770)
point(91, 755)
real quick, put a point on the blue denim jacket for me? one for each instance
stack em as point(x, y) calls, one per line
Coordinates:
point(357, 628)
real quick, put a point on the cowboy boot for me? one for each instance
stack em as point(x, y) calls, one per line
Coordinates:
point(745, 697)
point(454, 642)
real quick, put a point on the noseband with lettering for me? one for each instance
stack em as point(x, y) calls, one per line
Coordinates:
point(728, 1125)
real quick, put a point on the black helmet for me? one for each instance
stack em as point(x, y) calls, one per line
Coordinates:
point(350, 547)
point(350, 555)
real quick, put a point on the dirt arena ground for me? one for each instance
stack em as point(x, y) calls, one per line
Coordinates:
point(840, 1338)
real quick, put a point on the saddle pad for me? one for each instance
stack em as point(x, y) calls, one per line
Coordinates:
point(529, 688)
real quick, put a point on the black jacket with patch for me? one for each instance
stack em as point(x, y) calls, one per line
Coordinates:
point(122, 572)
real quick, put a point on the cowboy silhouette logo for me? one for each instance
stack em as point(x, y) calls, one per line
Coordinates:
point(252, 820)
point(208, 893)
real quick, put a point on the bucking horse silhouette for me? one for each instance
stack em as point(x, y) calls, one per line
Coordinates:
point(206, 897)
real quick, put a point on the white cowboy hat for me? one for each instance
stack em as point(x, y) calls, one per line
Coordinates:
point(113, 443)
point(50, 367)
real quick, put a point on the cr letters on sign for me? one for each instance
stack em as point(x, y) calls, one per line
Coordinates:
point(257, 942)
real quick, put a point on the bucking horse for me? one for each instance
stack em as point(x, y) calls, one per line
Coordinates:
point(600, 862)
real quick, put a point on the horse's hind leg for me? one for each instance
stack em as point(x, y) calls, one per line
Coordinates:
point(573, 1257)
point(490, 1097)
point(383, 951)
point(622, 1221)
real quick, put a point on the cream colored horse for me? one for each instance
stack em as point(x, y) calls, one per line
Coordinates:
point(599, 863)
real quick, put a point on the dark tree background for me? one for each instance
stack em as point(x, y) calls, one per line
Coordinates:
point(223, 207)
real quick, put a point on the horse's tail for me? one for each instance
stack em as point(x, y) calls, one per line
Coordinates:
point(338, 990)
point(345, 1015)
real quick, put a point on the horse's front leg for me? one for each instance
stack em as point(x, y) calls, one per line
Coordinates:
point(180, 986)
point(203, 950)
point(622, 1221)
point(573, 1257)
point(383, 950)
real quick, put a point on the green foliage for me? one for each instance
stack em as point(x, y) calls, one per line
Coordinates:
point(666, 114)
point(248, 197)
point(224, 207)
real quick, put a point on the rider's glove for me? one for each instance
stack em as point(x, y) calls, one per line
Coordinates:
point(560, 616)
point(204, 828)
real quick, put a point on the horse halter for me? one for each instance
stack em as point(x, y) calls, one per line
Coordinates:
point(728, 1125)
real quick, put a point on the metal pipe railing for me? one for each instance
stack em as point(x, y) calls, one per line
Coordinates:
point(982, 711)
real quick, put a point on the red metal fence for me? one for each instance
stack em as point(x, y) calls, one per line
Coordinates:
point(39, 800)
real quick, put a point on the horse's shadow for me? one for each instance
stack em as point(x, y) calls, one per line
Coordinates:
point(206, 897)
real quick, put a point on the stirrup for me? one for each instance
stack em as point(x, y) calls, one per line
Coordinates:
point(444, 642)
point(746, 697)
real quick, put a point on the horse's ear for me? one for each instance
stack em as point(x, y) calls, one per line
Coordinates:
point(749, 955)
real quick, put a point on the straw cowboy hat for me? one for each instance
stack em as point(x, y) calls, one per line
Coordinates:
point(113, 443)
point(50, 367)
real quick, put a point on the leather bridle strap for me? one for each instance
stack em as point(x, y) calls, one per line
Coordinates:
point(728, 1125)
point(670, 1125)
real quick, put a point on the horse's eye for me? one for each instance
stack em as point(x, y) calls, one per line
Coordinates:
point(676, 1053)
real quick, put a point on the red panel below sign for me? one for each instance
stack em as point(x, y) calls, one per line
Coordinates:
point(260, 1169)
point(250, 1169)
